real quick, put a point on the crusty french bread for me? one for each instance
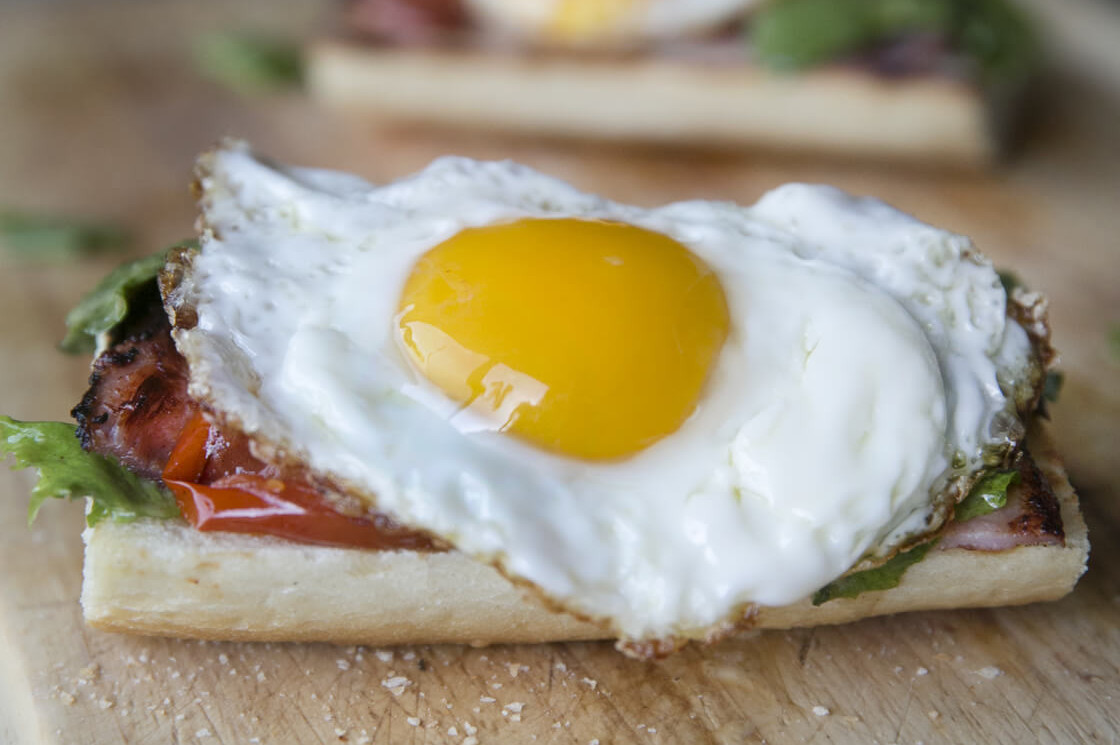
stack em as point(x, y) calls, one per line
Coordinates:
point(164, 578)
point(661, 100)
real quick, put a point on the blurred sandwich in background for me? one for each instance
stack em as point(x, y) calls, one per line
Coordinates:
point(939, 81)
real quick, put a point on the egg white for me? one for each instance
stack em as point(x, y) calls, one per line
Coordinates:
point(635, 21)
point(867, 361)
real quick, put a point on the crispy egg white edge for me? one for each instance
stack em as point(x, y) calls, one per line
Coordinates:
point(308, 200)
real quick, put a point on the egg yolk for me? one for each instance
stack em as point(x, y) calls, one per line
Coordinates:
point(578, 19)
point(585, 338)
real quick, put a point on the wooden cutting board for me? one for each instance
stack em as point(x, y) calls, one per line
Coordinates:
point(102, 116)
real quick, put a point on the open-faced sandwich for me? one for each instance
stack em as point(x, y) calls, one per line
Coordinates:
point(940, 81)
point(478, 405)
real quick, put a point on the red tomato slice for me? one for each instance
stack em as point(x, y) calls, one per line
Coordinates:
point(245, 501)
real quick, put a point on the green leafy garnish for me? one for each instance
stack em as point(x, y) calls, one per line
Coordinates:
point(1052, 385)
point(68, 472)
point(795, 34)
point(1009, 280)
point(107, 304)
point(988, 495)
point(880, 578)
point(248, 62)
point(53, 238)
point(999, 38)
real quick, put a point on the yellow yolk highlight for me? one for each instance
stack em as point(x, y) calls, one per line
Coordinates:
point(578, 19)
point(591, 339)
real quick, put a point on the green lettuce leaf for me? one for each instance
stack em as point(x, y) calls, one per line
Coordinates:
point(995, 35)
point(1000, 39)
point(248, 62)
point(988, 495)
point(54, 238)
point(107, 304)
point(1052, 385)
point(880, 578)
point(794, 34)
point(68, 472)
point(1010, 280)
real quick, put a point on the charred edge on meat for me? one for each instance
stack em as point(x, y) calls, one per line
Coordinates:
point(1042, 512)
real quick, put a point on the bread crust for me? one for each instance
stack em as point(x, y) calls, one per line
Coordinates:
point(932, 119)
point(165, 578)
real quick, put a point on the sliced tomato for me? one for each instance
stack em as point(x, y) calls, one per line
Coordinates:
point(249, 497)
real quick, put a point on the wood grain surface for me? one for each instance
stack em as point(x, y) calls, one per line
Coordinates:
point(101, 115)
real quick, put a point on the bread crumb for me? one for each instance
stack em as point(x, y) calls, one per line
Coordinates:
point(396, 684)
point(414, 721)
point(106, 703)
point(595, 741)
point(496, 686)
point(470, 741)
point(469, 729)
point(342, 664)
point(487, 699)
point(513, 710)
point(592, 684)
point(67, 698)
point(385, 655)
point(202, 733)
point(92, 672)
point(452, 731)
point(821, 711)
point(223, 658)
point(934, 714)
point(990, 672)
point(922, 671)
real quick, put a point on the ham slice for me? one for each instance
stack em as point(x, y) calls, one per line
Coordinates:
point(137, 401)
point(1031, 517)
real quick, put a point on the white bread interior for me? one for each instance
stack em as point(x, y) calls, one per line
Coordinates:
point(660, 100)
point(164, 578)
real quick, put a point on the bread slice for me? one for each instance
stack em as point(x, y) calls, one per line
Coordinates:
point(848, 112)
point(165, 578)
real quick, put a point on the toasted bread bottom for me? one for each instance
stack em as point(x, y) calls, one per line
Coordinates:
point(165, 578)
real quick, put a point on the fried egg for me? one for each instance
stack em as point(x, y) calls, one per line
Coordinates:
point(654, 417)
point(604, 21)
